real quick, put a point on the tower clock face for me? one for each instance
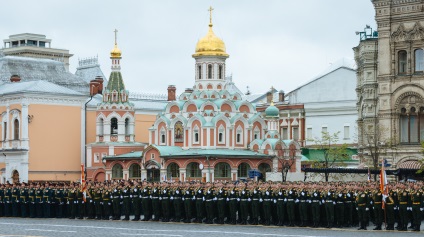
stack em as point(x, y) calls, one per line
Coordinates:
point(201, 166)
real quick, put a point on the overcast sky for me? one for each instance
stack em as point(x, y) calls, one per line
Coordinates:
point(278, 43)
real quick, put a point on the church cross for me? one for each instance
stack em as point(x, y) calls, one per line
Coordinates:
point(210, 14)
point(116, 35)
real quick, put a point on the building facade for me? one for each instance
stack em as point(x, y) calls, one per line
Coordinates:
point(397, 131)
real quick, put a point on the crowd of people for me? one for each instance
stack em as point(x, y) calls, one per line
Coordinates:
point(313, 204)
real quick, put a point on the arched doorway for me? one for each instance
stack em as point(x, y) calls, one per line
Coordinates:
point(15, 176)
point(100, 177)
point(263, 168)
point(153, 171)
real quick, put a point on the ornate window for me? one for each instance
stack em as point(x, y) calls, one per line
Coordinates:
point(285, 133)
point(135, 171)
point(101, 127)
point(222, 170)
point(402, 61)
point(162, 136)
point(127, 126)
point(419, 60)
point(239, 135)
point(117, 172)
point(221, 135)
point(114, 126)
point(193, 170)
point(209, 71)
point(243, 170)
point(411, 120)
point(220, 71)
point(199, 71)
point(173, 170)
point(178, 132)
point(16, 129)
point(196, 135)
point(256, 133)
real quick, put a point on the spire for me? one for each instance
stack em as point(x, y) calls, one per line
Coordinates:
point(116, 52)
point(210, 16)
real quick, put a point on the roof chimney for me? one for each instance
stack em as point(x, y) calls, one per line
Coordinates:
point(188, 90)
point(281, 96)
point(15, 78)
point(100, 80)
point(96, 86)
point(171, 93)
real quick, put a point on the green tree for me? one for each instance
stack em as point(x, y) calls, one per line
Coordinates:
point(333, 153)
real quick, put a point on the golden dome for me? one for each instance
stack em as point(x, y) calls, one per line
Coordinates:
point(210, 45)
point(116, 52)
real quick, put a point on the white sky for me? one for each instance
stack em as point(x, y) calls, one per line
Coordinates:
point(276, 43)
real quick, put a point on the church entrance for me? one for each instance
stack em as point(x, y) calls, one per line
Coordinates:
point(153, 175)
point(15, 176)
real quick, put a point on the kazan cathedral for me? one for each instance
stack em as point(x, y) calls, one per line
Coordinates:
point(210, 132)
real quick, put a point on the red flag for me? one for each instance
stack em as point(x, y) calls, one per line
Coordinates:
point(83, 184)
point(383, 184)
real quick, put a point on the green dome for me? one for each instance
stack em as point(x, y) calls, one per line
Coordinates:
point(272, 111)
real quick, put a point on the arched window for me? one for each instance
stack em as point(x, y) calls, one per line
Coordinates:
point(196, 135)
point(239, 135)
point(135, 171)
point(127, 126)
point(101, 127)
point(210, 71)
point(199, 71)
point(256, 133)
point(220, 71)
point(117, 172)
point(178, 132)
point(222, 170)
point(193, 170)
point(173, 170)
point(114, 126)
point(5, 131)
point(243, 170)
point(263, 168)
point(402, 61)
point(419, 60)
point(221, 135)
point(162, 136)
point(16, 131)
point(410, 122)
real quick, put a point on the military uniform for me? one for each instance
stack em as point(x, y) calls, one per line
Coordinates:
point(135, 194)
point(377, 198)
point(362, 207)
point(59, 201)
point(268, 199)
point(106, 203)
point(126, 201)
point(188, 198)
point(210, 199)
point(165, 198)
point(146, 203)
point(404, 205)
point(291, 196)
point(23, 200)
point(316, 207)
point(244, 205)
point(200, 205)
point(177, 203)
point(116, 203)
point(15, 202)
point(72, 203)
point(156, 203)
point(417, 208)
point(340, 208)
point(256, 196)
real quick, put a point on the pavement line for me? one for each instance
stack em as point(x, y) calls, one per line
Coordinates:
point(59, 231)
point(150, 235)
point(158, 230)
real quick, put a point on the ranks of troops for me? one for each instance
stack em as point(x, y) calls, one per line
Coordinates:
point(336, 204)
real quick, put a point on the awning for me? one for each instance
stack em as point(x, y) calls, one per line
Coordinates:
point(410, 164)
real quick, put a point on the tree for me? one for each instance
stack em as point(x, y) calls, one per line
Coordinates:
point(332, 152)
point(287, 158)
point(373, 145)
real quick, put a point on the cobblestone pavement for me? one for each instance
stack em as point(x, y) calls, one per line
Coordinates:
point(63, 227)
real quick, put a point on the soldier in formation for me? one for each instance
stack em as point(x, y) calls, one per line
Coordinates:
point(313, 204)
